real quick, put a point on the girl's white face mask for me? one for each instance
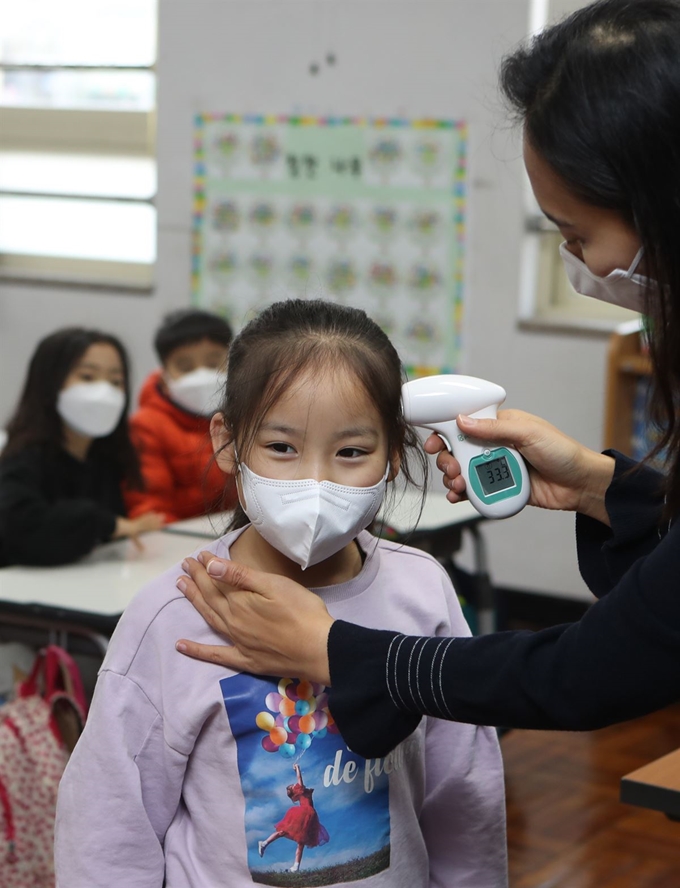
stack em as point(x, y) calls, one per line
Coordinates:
point(307, 520)
point(619, 287)
point(91, 408)
point(199, 392)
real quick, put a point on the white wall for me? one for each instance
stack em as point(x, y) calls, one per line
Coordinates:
point(413, 59)
point(557, 9)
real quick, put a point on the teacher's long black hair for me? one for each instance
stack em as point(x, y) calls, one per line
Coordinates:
point(599, 97)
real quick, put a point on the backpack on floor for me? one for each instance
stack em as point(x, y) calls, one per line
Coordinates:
point(38, 731)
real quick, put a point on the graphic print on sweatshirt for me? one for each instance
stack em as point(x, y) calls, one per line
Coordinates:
point(316, 813)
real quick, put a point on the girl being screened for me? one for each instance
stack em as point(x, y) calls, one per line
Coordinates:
point(184, 767)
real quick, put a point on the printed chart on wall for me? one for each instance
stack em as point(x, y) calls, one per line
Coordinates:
point(368, 212)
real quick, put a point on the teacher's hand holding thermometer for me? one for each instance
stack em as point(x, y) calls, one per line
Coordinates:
point(563, 474)
point(479, 451)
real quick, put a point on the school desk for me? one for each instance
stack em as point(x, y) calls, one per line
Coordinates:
point(655, 786)
point(87, 598)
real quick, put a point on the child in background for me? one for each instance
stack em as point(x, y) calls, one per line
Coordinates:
point(190, 762)
point(171, 429)
point(68, 453)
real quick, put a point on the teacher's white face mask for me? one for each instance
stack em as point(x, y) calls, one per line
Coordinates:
point(91, 408)
point(307, 520)
point(619, 287)
point(198, 392)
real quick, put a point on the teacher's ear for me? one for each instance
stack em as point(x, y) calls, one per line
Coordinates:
point(223, 444)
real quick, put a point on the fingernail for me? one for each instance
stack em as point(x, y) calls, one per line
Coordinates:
point(185, 565)
point(181, 647)
point(468, 419)
point(215, 568)
point(181, 584)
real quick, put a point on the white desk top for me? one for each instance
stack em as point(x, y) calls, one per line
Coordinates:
point(401, 515)
point(438, 512)
point(102, 583)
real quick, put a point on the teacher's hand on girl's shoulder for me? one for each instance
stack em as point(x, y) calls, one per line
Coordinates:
point(275, 625)
point(564, 474)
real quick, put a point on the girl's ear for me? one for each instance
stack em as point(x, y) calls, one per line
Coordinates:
point(395, 466)
point(223, 444)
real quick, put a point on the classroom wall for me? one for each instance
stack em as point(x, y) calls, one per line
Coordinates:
point(416, 58)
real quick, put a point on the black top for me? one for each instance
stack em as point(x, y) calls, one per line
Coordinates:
point(54, 508)
point(620, 661)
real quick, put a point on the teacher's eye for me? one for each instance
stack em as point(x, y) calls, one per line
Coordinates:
point(281, 447)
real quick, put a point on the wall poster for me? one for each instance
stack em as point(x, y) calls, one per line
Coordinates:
point(369, 212)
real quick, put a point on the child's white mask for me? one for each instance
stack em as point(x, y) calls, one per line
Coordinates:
point(91, 408)
point(619, 287)
point(307, 520)
point(198, 392)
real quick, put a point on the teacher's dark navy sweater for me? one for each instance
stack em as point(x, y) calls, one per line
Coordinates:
point(620, 661)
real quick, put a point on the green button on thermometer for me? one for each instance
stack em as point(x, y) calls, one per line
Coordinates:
point(496, 478)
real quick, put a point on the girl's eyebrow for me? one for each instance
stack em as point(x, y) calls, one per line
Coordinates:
point(279, 427)
point(358, 432)
point(353, 432)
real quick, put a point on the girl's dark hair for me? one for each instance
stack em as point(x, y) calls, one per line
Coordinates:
point(599, 96)
point(291, 337)
point(189, 325)
point(36, 423)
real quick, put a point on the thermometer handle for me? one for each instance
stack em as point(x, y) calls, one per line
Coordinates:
point(473, 454)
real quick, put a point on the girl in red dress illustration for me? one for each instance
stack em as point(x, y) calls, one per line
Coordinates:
point(300, 824)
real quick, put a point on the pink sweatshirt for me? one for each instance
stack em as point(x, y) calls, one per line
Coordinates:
point(184, 772)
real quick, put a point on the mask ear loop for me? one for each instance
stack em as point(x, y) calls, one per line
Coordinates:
point(369, 552)
point(636, 261)
point(237, 461)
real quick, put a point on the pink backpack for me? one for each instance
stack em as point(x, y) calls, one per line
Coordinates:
point(38, 731)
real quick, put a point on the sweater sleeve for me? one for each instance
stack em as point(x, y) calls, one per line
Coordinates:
point(37, 532)
point(122, 757)
point(620, 661)
point(158, 494)
point(634, 503)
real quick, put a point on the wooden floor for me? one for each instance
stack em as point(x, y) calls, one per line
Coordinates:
point(566, 826)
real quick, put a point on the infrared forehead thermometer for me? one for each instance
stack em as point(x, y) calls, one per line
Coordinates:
point(496, 478)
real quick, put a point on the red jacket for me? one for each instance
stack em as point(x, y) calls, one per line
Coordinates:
point(175, 451)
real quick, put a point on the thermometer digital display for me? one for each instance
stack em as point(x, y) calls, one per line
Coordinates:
point(495, 476)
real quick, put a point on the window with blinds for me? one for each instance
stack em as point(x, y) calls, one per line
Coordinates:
point(77, 141)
